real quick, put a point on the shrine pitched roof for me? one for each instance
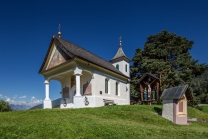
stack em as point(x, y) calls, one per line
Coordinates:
point(74, 51)
point(176, 93)
point(147, 74)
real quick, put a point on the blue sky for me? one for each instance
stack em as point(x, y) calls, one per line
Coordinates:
point(27, 28)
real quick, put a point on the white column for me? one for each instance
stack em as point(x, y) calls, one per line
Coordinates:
point(47, 102)
point(78, 84)
point(47, 90)
point(78, 100)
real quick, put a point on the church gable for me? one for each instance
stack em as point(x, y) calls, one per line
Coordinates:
point(58, 57)
point(61, 51)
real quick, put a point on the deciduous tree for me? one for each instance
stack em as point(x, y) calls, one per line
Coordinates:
point(4, 106)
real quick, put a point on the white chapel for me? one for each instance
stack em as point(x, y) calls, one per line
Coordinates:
point(86, 79)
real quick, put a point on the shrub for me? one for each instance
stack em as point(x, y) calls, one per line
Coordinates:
point(4, 106)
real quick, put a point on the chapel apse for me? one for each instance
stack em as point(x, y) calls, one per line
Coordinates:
point(58, 58)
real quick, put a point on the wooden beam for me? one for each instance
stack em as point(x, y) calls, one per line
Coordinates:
point(141, 91)
point(157, 91)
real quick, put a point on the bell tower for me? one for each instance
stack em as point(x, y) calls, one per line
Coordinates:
point(121, 61)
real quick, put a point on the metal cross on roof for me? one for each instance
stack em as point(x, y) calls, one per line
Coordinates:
point(120, 38)
point(59, 27)
point(120, 42)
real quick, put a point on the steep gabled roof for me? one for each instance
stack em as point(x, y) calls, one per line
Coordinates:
point(120, 55)
point(147, 74)
point(73, 51)
point(176, 93)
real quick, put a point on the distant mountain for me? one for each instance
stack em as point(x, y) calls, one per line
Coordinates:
point(55, 103)
point(22, 105)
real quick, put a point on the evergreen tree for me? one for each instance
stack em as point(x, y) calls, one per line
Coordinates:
point(135, 72)
point(200, 87)
point(167, 56)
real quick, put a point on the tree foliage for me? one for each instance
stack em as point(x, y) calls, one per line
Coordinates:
point(4, 106)
point(167, 56)
point(200, 87)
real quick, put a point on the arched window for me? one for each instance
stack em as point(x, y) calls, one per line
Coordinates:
point(117, 66)
point(106, 85)
point(126, 67)
point(116, 88)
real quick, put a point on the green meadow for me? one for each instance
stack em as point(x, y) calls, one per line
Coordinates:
point(119, 122)
point(205, 109)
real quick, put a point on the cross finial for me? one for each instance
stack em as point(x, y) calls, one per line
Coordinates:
point(120, 42)
point(120, 38)
point(59, 27)
point(59, 33)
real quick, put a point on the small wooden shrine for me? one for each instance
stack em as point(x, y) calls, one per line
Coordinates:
point(175, 104)
point(149, 88)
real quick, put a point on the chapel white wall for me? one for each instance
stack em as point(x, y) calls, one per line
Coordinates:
point(99, 85)
point(167, 109)
point(122, 67)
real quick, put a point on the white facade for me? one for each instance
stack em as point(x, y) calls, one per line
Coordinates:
point(96, 78)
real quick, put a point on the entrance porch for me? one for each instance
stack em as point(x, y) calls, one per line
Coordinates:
point(76, 89)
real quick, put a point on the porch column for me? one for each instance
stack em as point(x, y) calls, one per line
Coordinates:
point(78, 84)
point(47, 90)
point(47, 102)
point(78, 99)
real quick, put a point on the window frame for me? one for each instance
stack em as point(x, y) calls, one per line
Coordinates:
point(117, 66)
point(126, 67)
point(184, 107)
point(106, 85)
point(117, 89)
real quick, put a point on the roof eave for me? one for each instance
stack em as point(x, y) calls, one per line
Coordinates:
point(119, 58)
point(43, 63)
point(104, 67)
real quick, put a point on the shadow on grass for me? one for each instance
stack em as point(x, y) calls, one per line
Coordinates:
point(158, 110)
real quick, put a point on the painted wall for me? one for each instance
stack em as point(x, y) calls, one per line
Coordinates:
point(167, 109)
point(86, 78)
point(66, 82)
point(181, 117)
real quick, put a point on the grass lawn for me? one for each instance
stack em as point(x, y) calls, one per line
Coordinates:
point(133, 122)
point(205, 109)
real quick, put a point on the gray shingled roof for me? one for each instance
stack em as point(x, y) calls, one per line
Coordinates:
point(119, 54)
point(73, 50)
point(175, 92)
